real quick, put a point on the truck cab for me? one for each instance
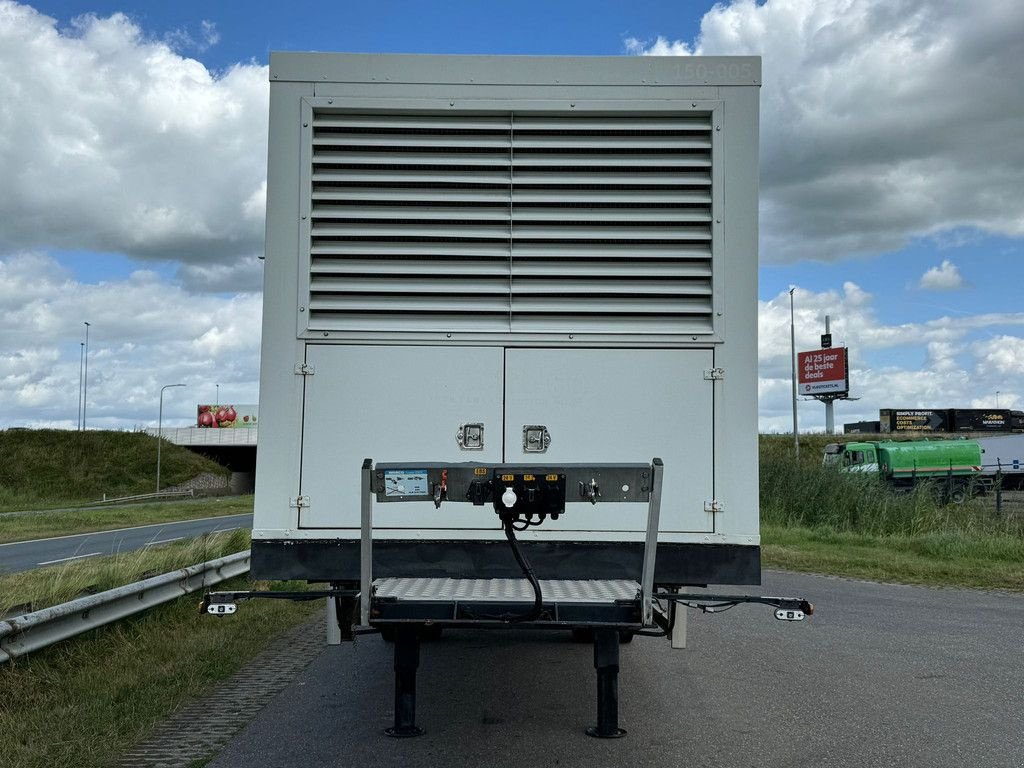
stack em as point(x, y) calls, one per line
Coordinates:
point(851, 457)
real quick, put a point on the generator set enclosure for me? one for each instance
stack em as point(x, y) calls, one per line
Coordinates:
point(540, 261)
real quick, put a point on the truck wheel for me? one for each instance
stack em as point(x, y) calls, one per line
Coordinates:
point(958, 495)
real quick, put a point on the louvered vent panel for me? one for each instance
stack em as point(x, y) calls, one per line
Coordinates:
point(511, 223)
point(410, 222)
point(611, 224)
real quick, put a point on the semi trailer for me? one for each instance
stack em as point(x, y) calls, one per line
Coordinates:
point(509, 356)
point(950, 420)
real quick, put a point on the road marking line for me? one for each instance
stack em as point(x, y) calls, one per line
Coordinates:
point(225, 530)
point(64, 559)
point(134, 528)
point(163, 541)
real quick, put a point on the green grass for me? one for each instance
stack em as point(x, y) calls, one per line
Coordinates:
point(815, 518)
point(43, 587)
point(946, 560)
point(57, 468)
point(40, 525)
point(83, 702)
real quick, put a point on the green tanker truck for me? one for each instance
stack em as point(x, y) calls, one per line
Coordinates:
point(954, 465)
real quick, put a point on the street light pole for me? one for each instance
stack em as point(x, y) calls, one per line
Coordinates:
point(997, 398)
point(85, 378)
point(792, 362)
point(217, 401)
point(81, 362)
point(160, 431)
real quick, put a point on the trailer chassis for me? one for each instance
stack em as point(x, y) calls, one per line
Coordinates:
point(408, 610)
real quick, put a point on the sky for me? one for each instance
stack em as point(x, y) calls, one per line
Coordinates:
point(133, 181)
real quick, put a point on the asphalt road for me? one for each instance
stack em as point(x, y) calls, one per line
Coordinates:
point(882, 675)
point(25, 555)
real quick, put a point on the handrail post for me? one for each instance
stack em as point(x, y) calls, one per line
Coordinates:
point(366, 543)
point(651, 541)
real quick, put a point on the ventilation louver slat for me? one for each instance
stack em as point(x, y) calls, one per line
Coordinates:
point(511, 223)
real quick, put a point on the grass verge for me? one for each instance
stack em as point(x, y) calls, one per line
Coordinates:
point(815, 518)
point(39, 525)
point(930, 559)
point(48, 468)
point(84, 701)
point(43, 587)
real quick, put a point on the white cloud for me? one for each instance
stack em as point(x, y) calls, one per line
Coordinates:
point(113, 142)
point(933, 364)
point(660, 47)
point(945, 277)
point(146, 332)
point(881, 121)
point(1002, 356)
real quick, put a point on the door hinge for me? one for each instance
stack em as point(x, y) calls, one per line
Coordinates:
point(714, 505)
point(714, 374)
point(304, 369)
point(299, 502)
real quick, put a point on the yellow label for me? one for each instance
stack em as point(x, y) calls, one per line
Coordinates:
point(480, 471)
point(529, 478)
point(507, 478)
point(552, 478)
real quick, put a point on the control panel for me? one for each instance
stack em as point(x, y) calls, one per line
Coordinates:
point(517, 490)
point(528, 493)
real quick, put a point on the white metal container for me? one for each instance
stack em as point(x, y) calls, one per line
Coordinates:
point(561, 252)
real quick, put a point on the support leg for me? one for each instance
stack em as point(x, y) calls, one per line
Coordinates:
point(407, 659)
point(606, 662)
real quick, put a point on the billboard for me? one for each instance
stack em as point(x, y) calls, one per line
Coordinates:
point(914, 420)
point(210, 416)
point(823, 372)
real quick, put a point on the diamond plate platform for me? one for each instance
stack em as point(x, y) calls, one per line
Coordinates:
point(505, 590)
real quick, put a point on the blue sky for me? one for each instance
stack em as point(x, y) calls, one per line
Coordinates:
point(251, 30)
point(133, 139)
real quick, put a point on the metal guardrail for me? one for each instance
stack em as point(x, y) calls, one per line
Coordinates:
point(142, 497)
point(212, 437)
point(33, 631)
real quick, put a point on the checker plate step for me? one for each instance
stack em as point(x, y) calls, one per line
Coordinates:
point(511, 590)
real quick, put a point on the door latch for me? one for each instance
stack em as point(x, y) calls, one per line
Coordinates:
point(470, 437)
point(536, 438)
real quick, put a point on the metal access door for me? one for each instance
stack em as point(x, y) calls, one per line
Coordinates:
point(398, 404)
point(617, 405)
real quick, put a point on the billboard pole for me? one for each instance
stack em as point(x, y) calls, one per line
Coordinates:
point(830, 418)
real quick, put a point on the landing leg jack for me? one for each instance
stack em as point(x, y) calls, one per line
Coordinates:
point(606, 662)
point(407, 659)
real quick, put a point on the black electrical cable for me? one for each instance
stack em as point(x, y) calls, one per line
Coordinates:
point(524, 564)
point(537, 611)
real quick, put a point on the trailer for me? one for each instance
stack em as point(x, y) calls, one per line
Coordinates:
point(1002, 458)
point(950, 420)
point(509, 356)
